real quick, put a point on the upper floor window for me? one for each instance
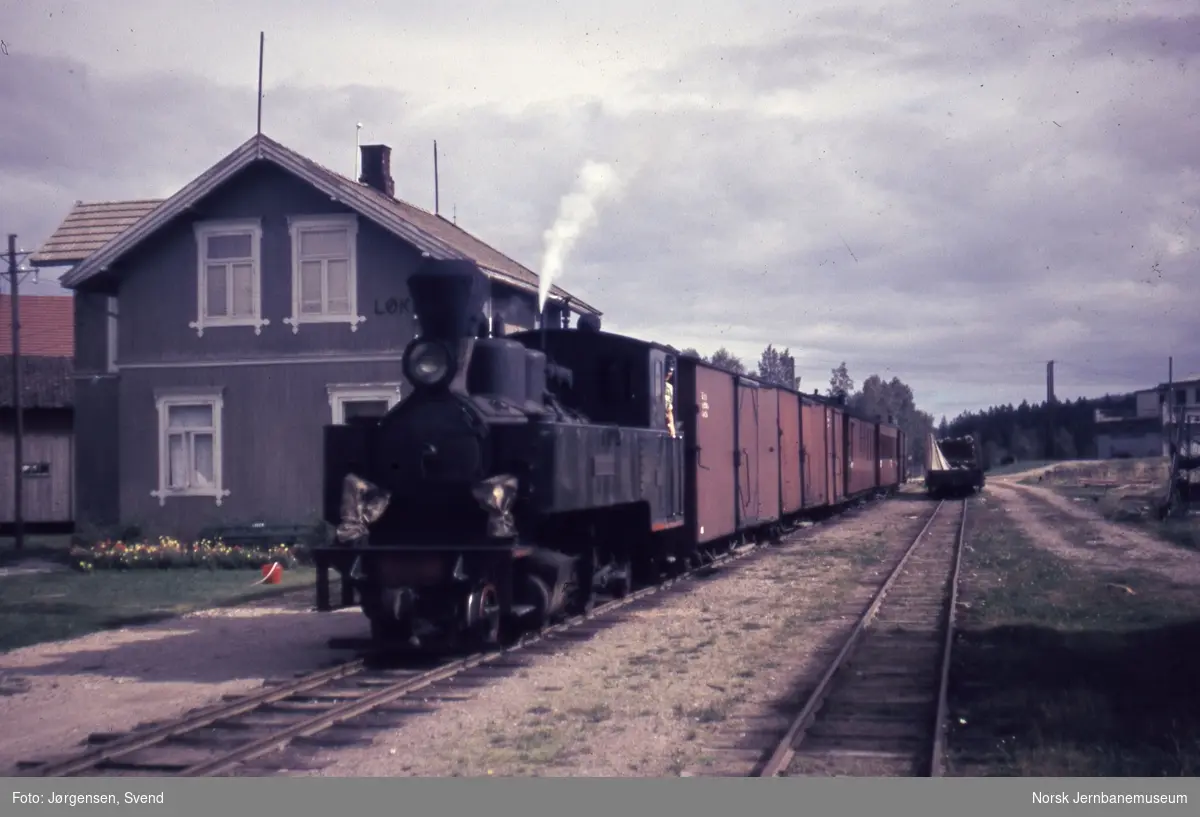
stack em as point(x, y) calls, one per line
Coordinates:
point(229, 275)
point(324, 271)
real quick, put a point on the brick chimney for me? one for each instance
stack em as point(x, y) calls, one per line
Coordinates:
point(377, 168)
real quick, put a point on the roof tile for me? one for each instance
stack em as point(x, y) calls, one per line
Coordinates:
point(47, 325)
point(87, 228)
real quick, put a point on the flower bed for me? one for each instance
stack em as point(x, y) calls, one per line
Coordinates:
point(167, 554)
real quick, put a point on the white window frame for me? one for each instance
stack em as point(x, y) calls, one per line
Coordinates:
point(302, 224)
point(111, 363)
point(205, 230)
point(190, 397)
point(342, 393)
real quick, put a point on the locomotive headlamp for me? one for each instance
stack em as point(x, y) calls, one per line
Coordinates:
point(428, 363)
point(496, 496)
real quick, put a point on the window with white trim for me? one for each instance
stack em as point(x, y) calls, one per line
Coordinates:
point(229, 275)
point(350, 400)
point(189, 445)
point(324, 271)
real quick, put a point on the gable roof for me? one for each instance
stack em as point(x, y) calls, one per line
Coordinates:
point(431, 234)
point(47, 325)
point(87, 228)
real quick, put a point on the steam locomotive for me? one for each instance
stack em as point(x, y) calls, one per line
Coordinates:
point(524, 475)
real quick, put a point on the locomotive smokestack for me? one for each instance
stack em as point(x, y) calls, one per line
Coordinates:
point(448, 296)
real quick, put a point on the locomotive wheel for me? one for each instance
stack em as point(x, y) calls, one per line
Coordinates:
point(620, 587)
point(483, 612)
point(584, 593)
point(538, 594)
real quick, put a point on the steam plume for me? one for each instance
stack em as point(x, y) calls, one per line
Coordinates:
point(576, 212)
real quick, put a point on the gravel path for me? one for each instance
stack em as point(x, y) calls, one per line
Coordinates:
point(53, 695)
point(1109, 546)
point(648, 697)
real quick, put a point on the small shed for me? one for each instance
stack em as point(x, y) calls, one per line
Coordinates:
point(47, 403)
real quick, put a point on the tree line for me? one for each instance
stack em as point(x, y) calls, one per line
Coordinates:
point(1041, 431)
point(876, 398)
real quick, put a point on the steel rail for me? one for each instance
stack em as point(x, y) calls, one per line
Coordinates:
point(785, 750)
point(937, 759)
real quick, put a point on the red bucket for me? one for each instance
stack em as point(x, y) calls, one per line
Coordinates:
point(272, 573)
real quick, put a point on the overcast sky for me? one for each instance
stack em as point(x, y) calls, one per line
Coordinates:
point(951, 193)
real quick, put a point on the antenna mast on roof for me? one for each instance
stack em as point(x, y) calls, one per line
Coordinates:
point(436, 191)
point(357, 148)
point(261, 45)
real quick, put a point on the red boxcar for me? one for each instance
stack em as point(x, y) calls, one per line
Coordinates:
point(768, 454)
point(835, 428)
point(709, 393)
point(815, 452)
point(757, 452)
point(792, 463)
point(746, 456)
point(888, 445)
point(860, 453)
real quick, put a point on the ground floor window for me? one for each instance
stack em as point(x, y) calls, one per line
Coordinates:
point(189, 445)
point(351, 400)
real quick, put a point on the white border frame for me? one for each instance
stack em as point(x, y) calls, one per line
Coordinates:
point(298, 224)
point(207, 229)
point(342, 393)
point(191, 397)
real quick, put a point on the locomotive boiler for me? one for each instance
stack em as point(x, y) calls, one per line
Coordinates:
point(487, 501)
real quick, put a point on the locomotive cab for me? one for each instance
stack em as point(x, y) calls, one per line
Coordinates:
point(616, 379)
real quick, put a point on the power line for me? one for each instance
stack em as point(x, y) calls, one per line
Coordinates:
point(14, 280)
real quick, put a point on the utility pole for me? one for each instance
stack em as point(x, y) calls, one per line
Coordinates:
point(1050, 410)
point(436, 189)
point(1169, 424)
point(14, 280)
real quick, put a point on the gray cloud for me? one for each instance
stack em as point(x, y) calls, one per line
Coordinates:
point(945, 196)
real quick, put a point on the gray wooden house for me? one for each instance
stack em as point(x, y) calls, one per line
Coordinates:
point(218, 330)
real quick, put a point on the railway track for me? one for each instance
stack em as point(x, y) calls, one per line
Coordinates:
point(880, 707)
point(255, 733)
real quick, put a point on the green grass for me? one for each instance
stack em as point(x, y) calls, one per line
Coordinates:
point(44, 548)
point(1060, 671)
point(35, 608)
point(1135, 511)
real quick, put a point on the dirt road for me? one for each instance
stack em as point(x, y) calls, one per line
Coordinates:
point(1074, 530)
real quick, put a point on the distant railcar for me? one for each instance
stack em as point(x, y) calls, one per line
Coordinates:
point(953, 466)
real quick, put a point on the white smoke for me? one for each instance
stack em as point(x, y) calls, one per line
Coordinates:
point(577, 211)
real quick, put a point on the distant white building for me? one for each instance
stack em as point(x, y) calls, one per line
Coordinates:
point(1147, 433)
point(1180, 403)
